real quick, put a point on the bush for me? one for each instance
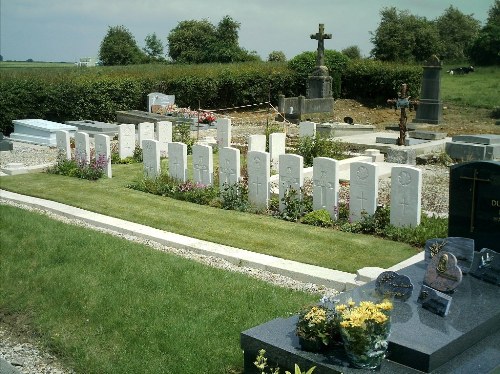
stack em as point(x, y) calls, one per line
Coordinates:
point(296, 205)
point(318, 218)
point(235, 197)
point(79, 167)
point(319, 146)
point(182, 133)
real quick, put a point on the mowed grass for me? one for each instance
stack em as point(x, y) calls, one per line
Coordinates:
point(106, 305)
point(258, 233)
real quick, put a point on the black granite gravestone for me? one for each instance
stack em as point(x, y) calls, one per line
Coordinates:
point(391, 284)
point(430, 106)
point(486, 266)
point(475, 203)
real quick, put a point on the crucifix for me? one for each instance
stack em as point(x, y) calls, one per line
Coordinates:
point(474, 179)
point(320, 36)
point(402, 102)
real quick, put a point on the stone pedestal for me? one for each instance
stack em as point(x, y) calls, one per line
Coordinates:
point(430, 105)
point(319, 84)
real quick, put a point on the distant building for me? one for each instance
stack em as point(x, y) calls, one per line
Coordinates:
point(86, 61)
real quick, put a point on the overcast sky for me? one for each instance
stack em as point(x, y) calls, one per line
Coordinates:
point(65, 30)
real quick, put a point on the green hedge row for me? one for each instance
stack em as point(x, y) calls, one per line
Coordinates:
point(97, 93)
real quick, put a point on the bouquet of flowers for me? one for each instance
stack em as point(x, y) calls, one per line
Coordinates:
point(316, 327)
point(206, 117)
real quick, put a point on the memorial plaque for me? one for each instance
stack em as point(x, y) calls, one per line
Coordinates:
point(475, 203)
point(443, 274)
point(434, 301)
point(486, 266)
point(392, 284)
point(461, 248)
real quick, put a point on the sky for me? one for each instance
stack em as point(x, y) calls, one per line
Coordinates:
point(66, 30)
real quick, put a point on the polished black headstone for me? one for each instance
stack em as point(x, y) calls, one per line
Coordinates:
point(391, 284)
point(434, 301)
point(461, 248)
point(486, 266)
point(474, 207)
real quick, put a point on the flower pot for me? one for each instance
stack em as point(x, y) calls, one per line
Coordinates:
point(311, 345)
point(365, 353)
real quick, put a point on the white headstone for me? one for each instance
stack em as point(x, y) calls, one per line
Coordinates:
point(177, 161)
point(63, 144)
point(307, 129)
point(82, 147)
point(257, 143)
point(406, 196)
point(164, 136)
point(326, 185)
point(151, 158)
point(126, 140)
point(259, 171)
point(203, 164)
point(291, 175)
point(277, 143)
point(229, 166)
point(103, 152)
point(158, 98)
point(363, 190)
point(146, 130)
point(223, 132)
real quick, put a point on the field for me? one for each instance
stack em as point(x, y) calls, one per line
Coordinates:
point(34, 64)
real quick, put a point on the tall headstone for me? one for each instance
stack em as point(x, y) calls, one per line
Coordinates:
point(291, 175)
point(103, 152)
point(257, 143)
point(151, 158)
point(203, 164)
point(82, 147)
point(164, 136)
point(319, 83)
point(223, 132)
point(430, 105)
point(277, 142)
point(307, 128)
point(177, 161)
point(363, 190)
point(259, 171)
point(229, 166)
point(474, 207)
point(146, 130)
point(406, 196)
point(326, 185)
point(126, 140)
point(63, 144)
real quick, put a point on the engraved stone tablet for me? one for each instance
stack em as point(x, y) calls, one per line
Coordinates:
point(434, 301)
point(461, 248)
point(392, 284)
point(486, 266)
point(443, 274)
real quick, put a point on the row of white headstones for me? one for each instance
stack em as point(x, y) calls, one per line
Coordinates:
point(406, 186)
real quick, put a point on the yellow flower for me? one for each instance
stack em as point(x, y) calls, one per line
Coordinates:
point(385, 305)
point(340, 308)
point(351, 303)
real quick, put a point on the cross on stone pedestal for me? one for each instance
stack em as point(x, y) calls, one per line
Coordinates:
point(320, 36)
point(402, 102)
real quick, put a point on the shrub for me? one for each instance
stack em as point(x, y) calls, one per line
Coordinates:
point(318, 218)
point(296, 204)
point(319, 146)
point(234, 197)
point(79, 167)
point(182, 133)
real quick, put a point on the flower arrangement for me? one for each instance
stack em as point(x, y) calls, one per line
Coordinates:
point(365, 329)
point(317, 327)
point(206, 117)
point(174, 110)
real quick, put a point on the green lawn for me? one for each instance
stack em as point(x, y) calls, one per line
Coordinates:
point(258, 233)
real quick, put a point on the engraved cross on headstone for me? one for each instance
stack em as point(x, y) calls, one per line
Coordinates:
point(320, 36)
point(288, 180)
point(200, 168)
point(361, 199)
point(474, 179)
point(227, 171)
point(322, 184)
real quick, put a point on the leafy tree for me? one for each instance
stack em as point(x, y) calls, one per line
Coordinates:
point(276, 56)
point(486, 48)
point(1, 58)
point(353, 52)
point(154, 47)
point(119, 47)
point(457, 32)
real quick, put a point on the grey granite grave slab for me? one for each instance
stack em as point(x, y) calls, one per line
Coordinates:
point(466, 151)
point(138, 116)
point(335, 129)
point(95, 127)
point(427, 135)
point(39, 131)
point(487, 139)
point(402, 156)
point(408, 141)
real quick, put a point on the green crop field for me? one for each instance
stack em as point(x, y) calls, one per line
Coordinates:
point(34, 64)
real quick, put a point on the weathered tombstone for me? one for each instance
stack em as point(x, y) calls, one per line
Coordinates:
point(461, 248)
point(203, 165)
point(277, 143)
point(474, 207)
point(486, 266)
point(63, 144)
point(326, 185)
point(391, 284)
point(229, 166)
point(257, 143)
point(151, 158)
point(177, 161)
point(82, 147)
point(363, 190)
point(164, 136)
point(126, 140)
point(259, 170)
point(103, 152)
point(430, 106)
point(291, 176)
point(223, 132)
point(307, 129)
point(406, 196)
point(146, 130)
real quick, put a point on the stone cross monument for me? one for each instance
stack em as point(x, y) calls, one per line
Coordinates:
point(319, 83)
point(320, 36)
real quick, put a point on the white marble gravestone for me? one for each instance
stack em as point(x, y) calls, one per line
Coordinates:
point(103, 151)
point(146, 130)
point(326, 185)
point(307, 129)
point(291, 175)
point(223, 132)
point(82, 147)
point(63, 144)
point(203, 164)
point(151, 158)
point(39, 131)
point(257, 143)
point(259, 171)
point(177, 161)
point(406, 196)
point(126, 140)
point(164, 136)
point(277, 142)
point(363, 190)
point(229, 166)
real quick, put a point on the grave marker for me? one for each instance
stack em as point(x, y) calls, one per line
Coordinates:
point(257, 143)
point(277, 142)
point(177, 161)
point(307, 129)
point(126, 140)
point(63, 144)
point(146, 130)
point(203, 165)
point(326, 185)
point(259, 170)
point(363, 190)
point(229, 166)
point(164, 136)
point(103, 151)
point(406, 196)
point(223, 132)
point(82, 147)
point(291, 175)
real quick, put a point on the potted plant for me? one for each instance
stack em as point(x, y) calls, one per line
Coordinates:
point(316, 327)
point(365, 330)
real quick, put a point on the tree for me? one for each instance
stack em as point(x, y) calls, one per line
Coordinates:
point(276, 56)
point(486, 48)
point(119, 47)
point(353, 52)
point(457, 33)
point(1, 58)
point(154, 47)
